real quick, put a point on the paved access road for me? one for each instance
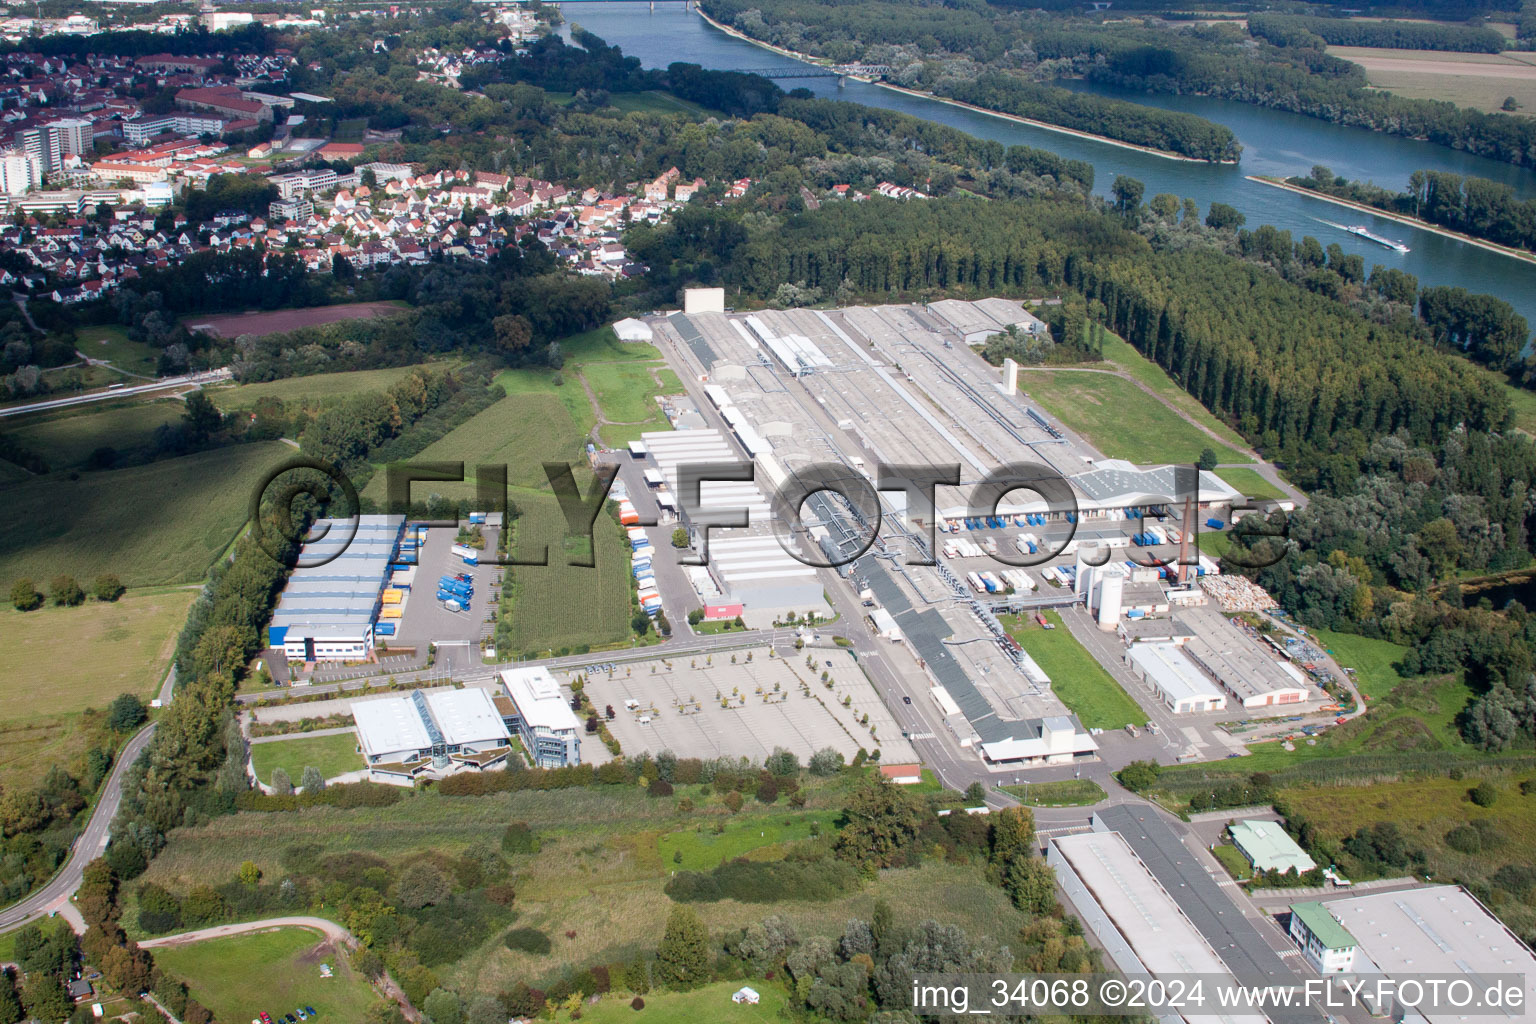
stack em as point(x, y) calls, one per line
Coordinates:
point(90, 844)
point(192, 380)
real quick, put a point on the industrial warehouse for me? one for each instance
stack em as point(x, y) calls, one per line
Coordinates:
point(332, 601)
point(1438, 930)
point(858, 388)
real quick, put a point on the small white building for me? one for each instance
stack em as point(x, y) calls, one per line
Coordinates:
point(536, 709)
point(745, 995)
point(1060, 740)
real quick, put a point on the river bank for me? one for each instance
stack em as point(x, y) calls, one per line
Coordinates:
point(1401, 218)
point(920, 94)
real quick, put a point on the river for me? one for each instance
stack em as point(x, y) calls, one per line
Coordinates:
point(1274, 143)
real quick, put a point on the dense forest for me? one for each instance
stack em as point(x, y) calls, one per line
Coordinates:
point(950, 45)
point(1295, 30)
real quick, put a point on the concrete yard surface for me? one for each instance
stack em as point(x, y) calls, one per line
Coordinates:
point(682, 698)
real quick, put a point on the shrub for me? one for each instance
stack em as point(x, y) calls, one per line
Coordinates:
point(748, 881)
point(65, 590)
point(1484, 794)
point(24, 595)
point(519, 838)
point(659, 787)
point(125, 712)
point(108, 587)
point(637, 1003)
point(1464, 839)
point(527, 940)
point(733, 801)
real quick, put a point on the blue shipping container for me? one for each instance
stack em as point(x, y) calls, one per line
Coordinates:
point(385, 629)
point(1215, 524)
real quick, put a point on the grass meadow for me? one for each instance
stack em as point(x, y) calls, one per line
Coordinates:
point(319, 387)
point(276, 971)
point(333, 755)
point(124, 647)
point(1058, 793)
point(1080, 682)
point(605, 854)
point(66, 439)
point(1124, 356)
point(152, 525)
point(1120, 419)
point(1371, 659)
point(1250, 483)
point(111, 343)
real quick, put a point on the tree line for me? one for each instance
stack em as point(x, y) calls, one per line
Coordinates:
point(1300, 30)
point(1474, 206)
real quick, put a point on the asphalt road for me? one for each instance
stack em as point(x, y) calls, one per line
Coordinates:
point(90, 844)
point(190, 380)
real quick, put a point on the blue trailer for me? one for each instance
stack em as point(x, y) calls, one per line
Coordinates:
point(477, 517)
point(1216, 524)
point(1032, 548)
point(384, 629)
point(991, 587)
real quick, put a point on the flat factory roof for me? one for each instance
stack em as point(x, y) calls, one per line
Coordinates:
point(1174, 674)
point(1156, 929)
point(466, 716)
point(389, 725)
point(1270, 846)
point(538, 698)
point(1439, 929)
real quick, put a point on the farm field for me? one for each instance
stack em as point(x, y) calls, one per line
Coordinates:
point(1371, 659)
point(151, 525)
point(654, 102)
point(521, 432)
point(1124, 356)
point(275, 971)
point(112, 344)
point(333, 755)
point(1080, 682)
point(124, 647)
point(1477, 80)
point(1250, 483)
point(557, 605)
point(708, 1005)
point(1058, 793)
point(277, 321)
point(314, 388)
point(67, 438)
point(1120, 419)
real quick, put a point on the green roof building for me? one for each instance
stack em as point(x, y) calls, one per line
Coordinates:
point(1327, 945)
point(1268, 847)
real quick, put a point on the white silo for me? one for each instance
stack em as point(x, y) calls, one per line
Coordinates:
point(1111, 589)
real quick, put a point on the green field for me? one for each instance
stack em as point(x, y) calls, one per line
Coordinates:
point(759, 839)
point(654, 102)
point(1120, 419)
point(1214, 543)
point(625, 391)
point(1371, 659)
point(65, 440)
point(317, 387)
point(520, 432)
point(1124, 356)
point(708, 1005)
point(333, 755)
point(124, 647)
point(1233, 860)
point(1250, 483)
point(112, 344)
point(156, 524)
point(275, 971)
point(1059, 793)
point(559, 605)
point(1079, 680)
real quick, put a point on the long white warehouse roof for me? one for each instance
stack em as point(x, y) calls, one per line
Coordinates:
point(1174, 674)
